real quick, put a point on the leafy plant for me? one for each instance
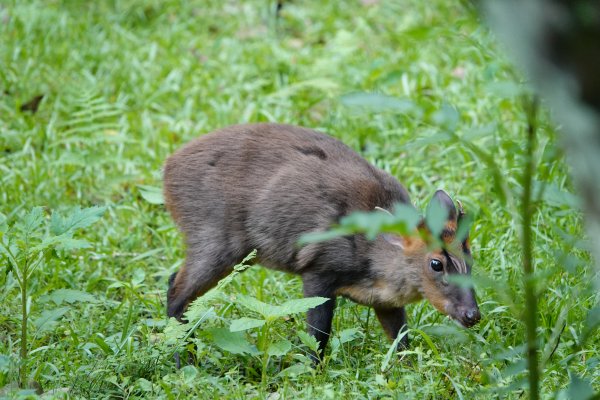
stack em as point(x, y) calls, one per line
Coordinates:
point(151, 75)
point(231, 339)
point(266, 347)
point(26, 245)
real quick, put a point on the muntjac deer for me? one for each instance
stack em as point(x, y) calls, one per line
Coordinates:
point(263, 186)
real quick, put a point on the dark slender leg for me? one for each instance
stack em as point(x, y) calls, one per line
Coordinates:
point(319, 318)
point(194, 279)
point(393, 321)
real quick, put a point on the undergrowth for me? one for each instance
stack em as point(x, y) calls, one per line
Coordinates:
point(420, 89)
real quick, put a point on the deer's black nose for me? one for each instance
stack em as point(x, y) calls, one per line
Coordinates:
point(472, 316)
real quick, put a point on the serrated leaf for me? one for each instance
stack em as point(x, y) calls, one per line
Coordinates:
point(446, 117)
point(48, 319)
point(256, 305)
point(233, 342)
point(151, 194)
point(280, 348)
point(308, 340)
point(245, 323)
point(298, 306)
point(31, 221)
point(69, 296)
point(77, 218)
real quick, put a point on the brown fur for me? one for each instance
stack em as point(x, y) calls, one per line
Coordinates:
point(262, 187)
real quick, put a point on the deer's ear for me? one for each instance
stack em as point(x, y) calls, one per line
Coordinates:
point(394, 240)
point(446, 202)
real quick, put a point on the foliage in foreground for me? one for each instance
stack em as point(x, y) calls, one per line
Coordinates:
point(419, 88)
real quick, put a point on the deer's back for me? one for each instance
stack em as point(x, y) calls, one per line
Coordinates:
point(263, 185)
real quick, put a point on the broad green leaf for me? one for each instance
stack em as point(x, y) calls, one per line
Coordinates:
point(347, 335)
point(139, 275)
point(580, 388)
point(233, 342)
point(48, 319)
point(464, 227)
point(189, 373)
point(151, 194)
point(245, 323)
point(314, 237)
point(69, 296)
point(144, 385)
point(344, 336)
point(515, 368)
point(451, 333)
point(555, 196)
point(77, 218)
point(298, 306)
point(436, 217)
point(461, 280)
point(403, 221)
point(370, 222)
point(280, 348)
point(295, 370)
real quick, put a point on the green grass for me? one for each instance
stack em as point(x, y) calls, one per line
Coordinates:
point(126, 82)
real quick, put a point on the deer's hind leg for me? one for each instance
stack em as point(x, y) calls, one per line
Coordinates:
point(204, 266)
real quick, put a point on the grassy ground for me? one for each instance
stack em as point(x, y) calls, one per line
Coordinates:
point(126, 82)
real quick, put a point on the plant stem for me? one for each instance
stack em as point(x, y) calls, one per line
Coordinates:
point(264, 333)
point(23, 367)
point(526, 217)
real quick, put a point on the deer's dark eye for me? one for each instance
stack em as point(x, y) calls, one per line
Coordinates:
point(436, 265)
